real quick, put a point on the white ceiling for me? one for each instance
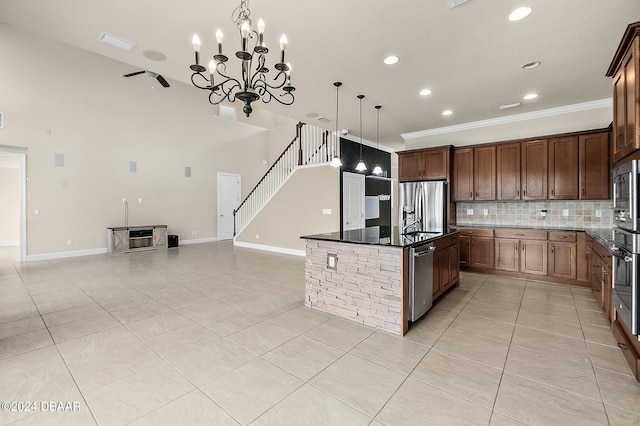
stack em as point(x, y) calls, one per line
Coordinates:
point(469, 56)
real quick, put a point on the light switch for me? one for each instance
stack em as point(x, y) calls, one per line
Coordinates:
point(36, 212)
point(326, 211)
point(469, 212)
point(332, 261)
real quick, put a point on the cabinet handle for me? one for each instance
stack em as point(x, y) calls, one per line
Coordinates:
point(582, 191)
point(524, 193)
point(623, 346)
point(518, 192)
point(476, 194)
point(471, 194)
point(552, 192)
point(552, 247)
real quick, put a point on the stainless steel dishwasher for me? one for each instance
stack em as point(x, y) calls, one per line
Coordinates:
point(421, 280)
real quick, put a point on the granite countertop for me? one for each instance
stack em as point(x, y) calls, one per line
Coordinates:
point(603, 235)
point(379, 235)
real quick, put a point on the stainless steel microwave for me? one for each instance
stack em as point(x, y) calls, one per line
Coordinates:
point(625, 196)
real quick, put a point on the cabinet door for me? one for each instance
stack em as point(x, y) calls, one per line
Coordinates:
point(563, 168)
point(594, 166)
point(436, 163)
point(463, 174)
point(484, 173)
point(454, 263)
point(562, 260)
point(465, 246)
point(619, 124)
point(625, 100)
point(508, 172)
point(506, 254)
point(534, 170)
point(409, 166)
point(533, 257)
point(442, 273)
point(482, 252)
point(595, 270)
point(606, 292)
point(120, 240)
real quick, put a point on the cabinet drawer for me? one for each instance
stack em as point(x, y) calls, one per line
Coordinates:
point(477, 232)
point(442, 243)
point(520, 234)
point(567, 237)
point(632, 357)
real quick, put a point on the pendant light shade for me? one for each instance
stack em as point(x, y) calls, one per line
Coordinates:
point(377, 170)
point(361, 167)
point(335, 161)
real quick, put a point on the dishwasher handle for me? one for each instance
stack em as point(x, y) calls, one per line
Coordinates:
point(424, 251)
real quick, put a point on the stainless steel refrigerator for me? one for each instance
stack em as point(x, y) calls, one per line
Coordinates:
point(422, 206)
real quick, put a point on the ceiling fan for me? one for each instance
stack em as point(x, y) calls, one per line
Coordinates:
point(151, 74)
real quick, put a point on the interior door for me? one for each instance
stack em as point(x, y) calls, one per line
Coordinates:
point(228, 200)
point(352, 201)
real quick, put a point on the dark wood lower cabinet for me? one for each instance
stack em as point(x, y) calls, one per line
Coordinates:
point(533, 257)
point(465, 245)
point(507, 254)
point(562, 260)
point(445, 264)
point(481, 252)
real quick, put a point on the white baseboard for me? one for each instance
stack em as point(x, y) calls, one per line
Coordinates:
point(197, 241)
point(269, 248)
point(65, 254)
point(9, 243)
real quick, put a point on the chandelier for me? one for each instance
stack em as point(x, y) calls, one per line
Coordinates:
point(252, 84)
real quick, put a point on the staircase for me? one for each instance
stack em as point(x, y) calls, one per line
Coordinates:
point(311, 145)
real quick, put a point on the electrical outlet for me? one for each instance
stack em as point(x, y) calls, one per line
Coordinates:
point(326, 211)
point(469, 212)
point(543, 213)
point(485, 212)
point(598, 213)
point(139, 200)
point(257, 236)
point(194, 232)
point(565, 213)
point(69, 242)
point(36, 212)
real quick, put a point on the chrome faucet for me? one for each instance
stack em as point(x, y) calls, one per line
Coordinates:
point(404, 228)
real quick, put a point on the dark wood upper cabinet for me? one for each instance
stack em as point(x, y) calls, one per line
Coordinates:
point(595, 166)
point(424, 164)
point(463, 174)
point(508, 172)
point(474, 174)
point(626, 94)
point(534, 170)
point(484, 173)
point(563, 168)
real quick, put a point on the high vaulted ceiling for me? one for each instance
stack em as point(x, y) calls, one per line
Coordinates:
point(470, 56)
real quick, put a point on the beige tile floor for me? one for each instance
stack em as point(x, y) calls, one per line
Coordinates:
point(216, 335)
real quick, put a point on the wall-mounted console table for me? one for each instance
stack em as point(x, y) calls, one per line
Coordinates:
point(134, 238)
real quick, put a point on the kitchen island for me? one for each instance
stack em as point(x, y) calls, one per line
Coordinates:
point(364, 274)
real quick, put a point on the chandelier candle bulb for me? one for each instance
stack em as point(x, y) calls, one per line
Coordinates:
point(283, 46)
point(212, 70)
point(261, 32)
point(196, 46)
point(244, 32)
point(219, 39)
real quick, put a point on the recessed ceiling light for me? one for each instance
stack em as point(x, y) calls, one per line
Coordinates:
point(520, 13)
point(116, 41)
point(154, 55)
point(425, 92)
point(447, 112)
point(531, 65)
point(529, 96)
point(390, 60)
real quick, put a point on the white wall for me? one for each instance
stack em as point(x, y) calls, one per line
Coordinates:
point(9, 201)
point(60, 99)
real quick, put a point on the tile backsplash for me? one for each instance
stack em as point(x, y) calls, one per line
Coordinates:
point(566, 214)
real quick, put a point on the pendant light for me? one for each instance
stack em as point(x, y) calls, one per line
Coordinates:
point(336, 162)
point(361, 167)
point(377, 170)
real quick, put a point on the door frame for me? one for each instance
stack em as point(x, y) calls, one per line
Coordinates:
point(218, 192)
point(22, 173)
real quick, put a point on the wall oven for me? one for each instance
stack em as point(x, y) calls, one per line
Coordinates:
point(625, 260)
point(625, 196)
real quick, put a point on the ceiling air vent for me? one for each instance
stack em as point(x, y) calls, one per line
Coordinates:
point(454, 3)
point(509, 106)
point(116, 41)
